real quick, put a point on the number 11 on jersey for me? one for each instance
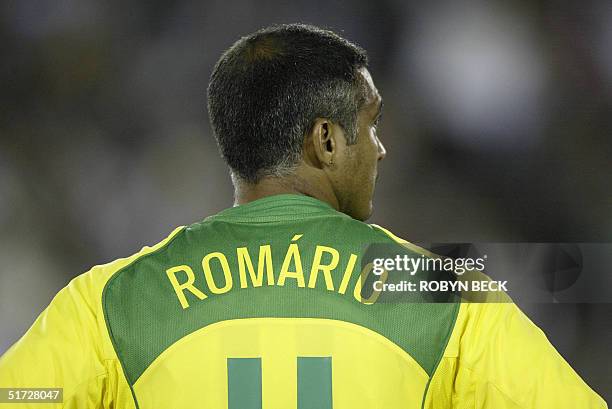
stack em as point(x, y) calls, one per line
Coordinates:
point(314, 383)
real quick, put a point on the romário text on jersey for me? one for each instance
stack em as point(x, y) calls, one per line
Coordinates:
point(218, 276)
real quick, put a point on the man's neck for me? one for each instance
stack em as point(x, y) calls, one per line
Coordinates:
point(269, 186)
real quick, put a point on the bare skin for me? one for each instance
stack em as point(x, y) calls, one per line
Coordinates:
point(330, 170)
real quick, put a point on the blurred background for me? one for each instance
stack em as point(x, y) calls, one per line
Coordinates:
point(497, 123)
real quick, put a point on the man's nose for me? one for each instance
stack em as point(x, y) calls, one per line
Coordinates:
point(382, 152)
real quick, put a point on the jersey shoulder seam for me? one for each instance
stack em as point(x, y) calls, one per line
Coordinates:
point(163, 245)
point(456, 311)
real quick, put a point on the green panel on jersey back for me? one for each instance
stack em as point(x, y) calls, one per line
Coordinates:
point(144, 315)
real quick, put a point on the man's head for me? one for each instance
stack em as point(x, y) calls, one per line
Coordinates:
point(296, 99)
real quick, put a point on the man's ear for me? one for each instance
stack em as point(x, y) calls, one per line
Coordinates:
point(322, 141)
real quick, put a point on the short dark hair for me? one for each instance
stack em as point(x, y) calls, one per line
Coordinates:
point(267, 89)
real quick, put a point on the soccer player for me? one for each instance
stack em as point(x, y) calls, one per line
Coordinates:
point(262, 305)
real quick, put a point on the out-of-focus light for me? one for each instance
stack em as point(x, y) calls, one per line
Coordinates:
point(480, 73)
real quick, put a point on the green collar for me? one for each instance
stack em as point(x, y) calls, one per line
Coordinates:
point(282, 207)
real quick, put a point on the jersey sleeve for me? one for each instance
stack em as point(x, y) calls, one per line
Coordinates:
point(506, 361)
point(61, 350)
point(69, 346)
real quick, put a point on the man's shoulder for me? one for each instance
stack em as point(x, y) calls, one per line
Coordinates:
point(99, 276)
point(403, 242)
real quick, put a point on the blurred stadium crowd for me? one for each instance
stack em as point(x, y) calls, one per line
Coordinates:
point(497, 123)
